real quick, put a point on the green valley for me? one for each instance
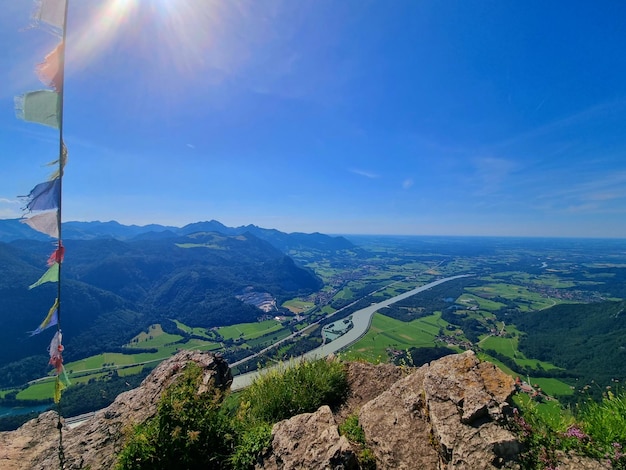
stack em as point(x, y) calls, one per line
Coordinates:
point(540, 309)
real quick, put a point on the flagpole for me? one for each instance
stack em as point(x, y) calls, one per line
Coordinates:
point(62, 158)
point(62, 152)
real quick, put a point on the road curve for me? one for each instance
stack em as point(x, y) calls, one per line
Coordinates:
point(361, 320)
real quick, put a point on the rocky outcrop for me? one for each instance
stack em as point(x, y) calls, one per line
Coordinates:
point(94, 444)
point(310, 440)
point(447, 415)
point(367, 381)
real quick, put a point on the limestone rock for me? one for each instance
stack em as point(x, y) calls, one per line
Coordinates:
point(38, 436)
point(367, 381)
point(309, 441)
point(577, 462)
point(444, 415)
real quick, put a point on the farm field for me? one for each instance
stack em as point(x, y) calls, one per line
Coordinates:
point(508, 346)
point(194, 331)
point(96, 367)
point(386, 333)
point(248, 331)
point(298, 306)
point(155, 337)
point(526, 299)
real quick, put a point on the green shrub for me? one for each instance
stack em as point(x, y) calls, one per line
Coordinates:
point(188, 431)
point(302, 387)
point(540, 433)
point(605, 423)
point(367, 461)
point(251, 443)
point(599, 431)
point(207, 431)
point(352, 430)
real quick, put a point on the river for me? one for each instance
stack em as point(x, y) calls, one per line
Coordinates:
point(361, 320)
point(22, 410)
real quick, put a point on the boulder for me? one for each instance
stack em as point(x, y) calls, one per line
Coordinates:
point(307, 441)
point(448, 414)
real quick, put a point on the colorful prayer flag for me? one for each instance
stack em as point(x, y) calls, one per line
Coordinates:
point(41, 106)
point(55, 349)
point(44, 196)
point(44, 222)
point(52, 13)
point(57, 255)
point(60, 384)
point(51, 275)
point(57, 173)
point(50, 71)
point(51, 319)
point(58, 387)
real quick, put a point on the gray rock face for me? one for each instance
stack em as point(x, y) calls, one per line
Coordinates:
point(310, 441)
point(444, 415)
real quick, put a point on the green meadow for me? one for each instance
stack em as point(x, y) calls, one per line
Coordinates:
point(551, 386)
point(298, 305)
point(155, 337)
point(482, 303)
point(195, 331)
point(44, 389)
point(385, 332)
point(526, 299)
point(249, 331)
point(508, 346)
point(96, 367)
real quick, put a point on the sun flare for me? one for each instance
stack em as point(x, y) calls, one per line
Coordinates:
point(179, 32)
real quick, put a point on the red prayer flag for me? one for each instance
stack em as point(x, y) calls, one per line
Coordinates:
point(50, 71)
point(57, 256)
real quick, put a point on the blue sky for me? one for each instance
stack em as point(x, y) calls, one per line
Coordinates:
point(344, 116)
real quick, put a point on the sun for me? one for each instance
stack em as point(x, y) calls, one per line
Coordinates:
point(184, 32)
point(95, 28)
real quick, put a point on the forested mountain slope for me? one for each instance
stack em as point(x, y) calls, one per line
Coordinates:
point(588, 340)
point(113, 289)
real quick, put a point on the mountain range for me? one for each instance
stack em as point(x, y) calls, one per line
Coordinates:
point(13, 229)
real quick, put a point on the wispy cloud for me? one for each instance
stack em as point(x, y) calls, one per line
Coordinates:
point(407, 183)
point(367, 174)
point(585, 192)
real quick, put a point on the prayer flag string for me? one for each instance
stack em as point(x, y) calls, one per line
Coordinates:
point(43, 204)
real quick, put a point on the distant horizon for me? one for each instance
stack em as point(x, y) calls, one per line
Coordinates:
point(344, 234)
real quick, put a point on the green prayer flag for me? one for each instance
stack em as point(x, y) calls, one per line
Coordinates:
point(40, 106)
point(51, 275)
